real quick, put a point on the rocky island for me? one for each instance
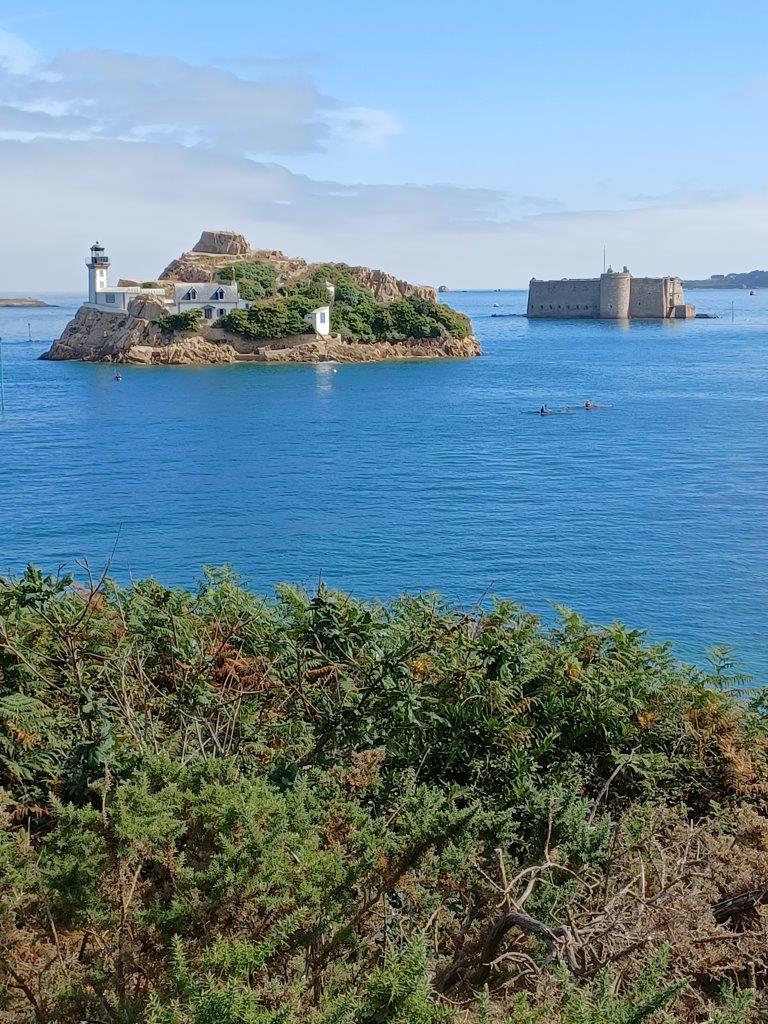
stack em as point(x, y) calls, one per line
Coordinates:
point(224, 302)
point(22, 303)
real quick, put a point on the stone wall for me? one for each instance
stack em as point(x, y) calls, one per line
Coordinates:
point(649, 298)
point(564, 299)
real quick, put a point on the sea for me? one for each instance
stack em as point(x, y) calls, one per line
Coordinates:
point(420, 476)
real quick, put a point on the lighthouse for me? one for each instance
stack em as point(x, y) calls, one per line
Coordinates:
point(97, 265)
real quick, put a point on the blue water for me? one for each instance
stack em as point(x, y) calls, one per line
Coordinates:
point(411, 476)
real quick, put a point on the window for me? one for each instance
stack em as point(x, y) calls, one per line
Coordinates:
point(110, 297)
point(222, 312)
point(208, 312)
point(322, 317)
point(219, 295)
point(191, 295)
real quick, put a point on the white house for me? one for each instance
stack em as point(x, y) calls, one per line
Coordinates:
point(214, 299)
point(101, 296)
point(320, 319)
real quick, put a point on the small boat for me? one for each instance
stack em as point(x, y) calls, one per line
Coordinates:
point(752, 291)
point(118, 376)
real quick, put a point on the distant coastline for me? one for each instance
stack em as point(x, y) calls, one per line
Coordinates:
point(23, 303)
point(751, 279)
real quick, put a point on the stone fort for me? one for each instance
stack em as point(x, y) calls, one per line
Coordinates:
point(615, 295)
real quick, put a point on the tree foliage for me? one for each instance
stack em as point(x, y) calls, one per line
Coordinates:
point(216, 807)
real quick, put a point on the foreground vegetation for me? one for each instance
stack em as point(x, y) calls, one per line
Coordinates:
point(218, 808)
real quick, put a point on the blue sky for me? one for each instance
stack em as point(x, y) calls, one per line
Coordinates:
point(476, 143)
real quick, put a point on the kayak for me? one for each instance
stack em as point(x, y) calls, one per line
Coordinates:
point(576, 408)
point(549, 412)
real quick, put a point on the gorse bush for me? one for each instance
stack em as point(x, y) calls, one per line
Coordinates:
point(216, 807)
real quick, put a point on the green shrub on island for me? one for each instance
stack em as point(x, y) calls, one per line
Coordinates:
point(189, 320)
point(276, 319)
point(355, 314)
point(150, 284)
point(254, 280)
point(218, 808)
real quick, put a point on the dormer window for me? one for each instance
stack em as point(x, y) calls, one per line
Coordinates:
point(219, 295)
point(191, 294)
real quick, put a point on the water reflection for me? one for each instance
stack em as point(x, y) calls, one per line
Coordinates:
point(324, 373)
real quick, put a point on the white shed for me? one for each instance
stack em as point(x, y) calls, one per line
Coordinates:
point(320, 319)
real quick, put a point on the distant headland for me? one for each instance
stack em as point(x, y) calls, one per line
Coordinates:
point(751, 279)
point(22, 303)
point(224, 302)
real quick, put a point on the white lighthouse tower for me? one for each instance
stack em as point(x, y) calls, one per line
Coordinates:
point(98, 265)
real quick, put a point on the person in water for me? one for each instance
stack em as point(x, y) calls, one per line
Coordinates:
point(543, 411)
point(589, 405)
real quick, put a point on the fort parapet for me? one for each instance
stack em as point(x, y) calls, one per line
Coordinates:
point(615, 295)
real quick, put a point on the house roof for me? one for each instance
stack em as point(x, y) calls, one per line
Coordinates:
point(205, 291)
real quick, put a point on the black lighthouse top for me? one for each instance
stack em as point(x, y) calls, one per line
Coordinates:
point(97, 254)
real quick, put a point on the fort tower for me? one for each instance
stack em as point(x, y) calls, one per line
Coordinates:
point(614, 294)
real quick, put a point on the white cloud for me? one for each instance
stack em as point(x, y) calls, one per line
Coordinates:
point(149, 202)
point(16, 56)
point(146, 152)
point(125, 96)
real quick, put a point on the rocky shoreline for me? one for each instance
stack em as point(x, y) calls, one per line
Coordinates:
point(96, 336)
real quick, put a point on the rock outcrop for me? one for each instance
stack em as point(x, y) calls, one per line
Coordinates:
point(223, 243)
point(96, 336)
point(145, 307)
point(219, 249)
point(93, 337)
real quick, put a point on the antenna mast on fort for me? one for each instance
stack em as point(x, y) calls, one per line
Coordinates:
point(603, 259)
